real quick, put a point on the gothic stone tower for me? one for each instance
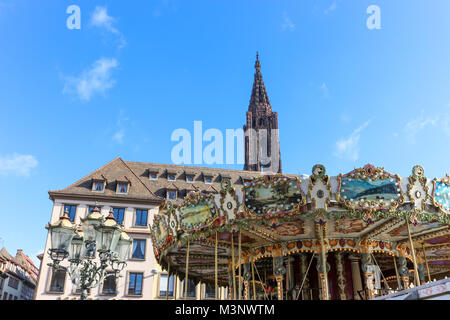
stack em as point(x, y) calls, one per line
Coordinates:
point(262, 144)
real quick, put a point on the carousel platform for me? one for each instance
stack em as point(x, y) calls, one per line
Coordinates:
point(438, 290)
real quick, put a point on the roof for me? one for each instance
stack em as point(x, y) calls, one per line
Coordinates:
point(144, 188)
point(114, 171)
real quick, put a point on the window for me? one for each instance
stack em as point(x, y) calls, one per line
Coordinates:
point(163, 285)
point(5, 296)
point(119, 214)
point(122, 187)
point(15, 298)
point(209, 291)
point(57, 281)
point(171, 177)
point(135, 283)
point(98, 186)
point(171, 194)
point(109, 284)
point(92, 208)
point(190, 289)
point(190, 178)
point(13, 283)
point(153, 175)
point(208, 180)
point(138, 249)
point(71, 211)
point(141, 217)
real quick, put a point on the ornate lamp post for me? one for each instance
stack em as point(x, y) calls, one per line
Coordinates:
point(80, 243)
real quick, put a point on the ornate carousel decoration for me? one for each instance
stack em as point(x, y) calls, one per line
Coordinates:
point(267, 239)
point(417, 189)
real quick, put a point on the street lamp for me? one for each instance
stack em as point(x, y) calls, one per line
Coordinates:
point(79, 243)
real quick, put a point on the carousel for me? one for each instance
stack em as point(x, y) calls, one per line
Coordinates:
point(354, 236)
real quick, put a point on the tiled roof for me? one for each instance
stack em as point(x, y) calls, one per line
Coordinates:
point(112, 172)
point(142, 187)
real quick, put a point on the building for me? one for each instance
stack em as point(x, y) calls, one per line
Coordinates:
point(18, 276)
point(134, 191)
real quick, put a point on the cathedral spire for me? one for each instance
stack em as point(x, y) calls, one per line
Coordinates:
point(259, 99)
point(262, 144)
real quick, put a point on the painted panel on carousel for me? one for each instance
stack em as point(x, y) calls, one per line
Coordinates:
point(417, 228)
point(438, 240)
point(441, 196)
point(198, 211)
point(319, 189)
point(434, 253)
point(417, 189)
point(273, 194)
point(291, 228)
point(347, 225)
point(369, 188)
point(440, 263)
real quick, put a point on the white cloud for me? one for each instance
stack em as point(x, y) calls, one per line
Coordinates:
point(287, 23)
point(119, 135)
point(331, 8)
point(17, 164)
point(325, 90)
point(95, 80)
point(348, 148)
point(413, 127)
point(101, 19)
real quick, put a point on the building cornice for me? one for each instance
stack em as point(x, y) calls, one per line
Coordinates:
point(100, 197)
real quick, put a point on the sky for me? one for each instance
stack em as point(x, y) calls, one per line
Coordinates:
point(72, 100)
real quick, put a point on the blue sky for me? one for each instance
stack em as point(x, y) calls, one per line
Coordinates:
point(72, 100)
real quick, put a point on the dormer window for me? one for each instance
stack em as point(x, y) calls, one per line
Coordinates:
point(122, 187)
point(98, 183)
point(98, 186)
point(171, 177)
point(123, 184)
point(171, 194)
point(208, 178)
point(153, 175)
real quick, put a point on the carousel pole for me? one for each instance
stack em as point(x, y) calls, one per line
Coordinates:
point(233, 266)
point(186, 279)
point(253, 278)
point(239, 279)
point(426, 261)
point(168, 279)
point(175, 286)
point(215, 268)
point(413, 253)
point(399, 283)
point(324, 264)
